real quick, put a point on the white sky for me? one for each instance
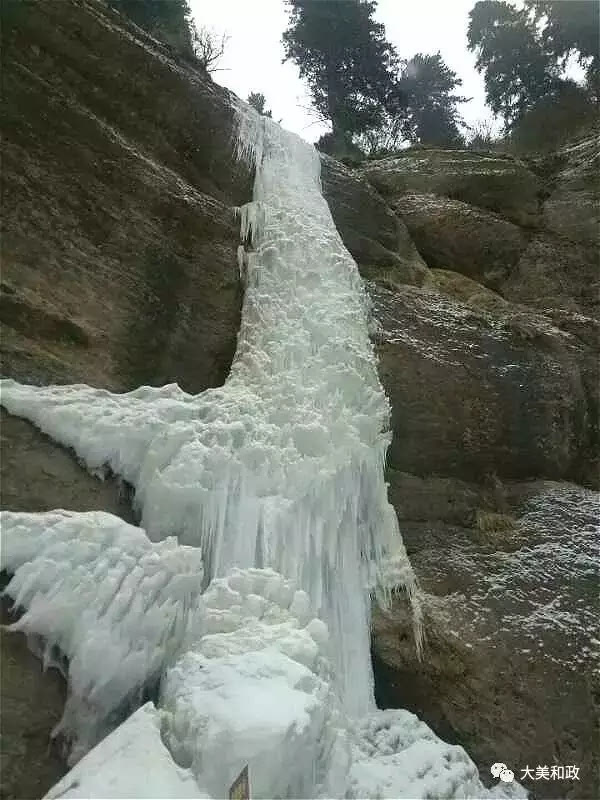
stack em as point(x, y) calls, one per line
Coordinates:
point(254, 53)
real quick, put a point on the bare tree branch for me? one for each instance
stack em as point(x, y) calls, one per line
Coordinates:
point(209, 47)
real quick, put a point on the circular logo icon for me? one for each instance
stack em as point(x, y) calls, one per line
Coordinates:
point(497, 769)
point(507, 775)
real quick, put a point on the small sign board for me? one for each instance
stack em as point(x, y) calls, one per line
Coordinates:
point(240, 788)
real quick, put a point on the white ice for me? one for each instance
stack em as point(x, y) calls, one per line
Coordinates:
point(247, 683)
point(277, 480)
point(117, 605)
point(132, 762)
point(283, 466)
point(395, 755)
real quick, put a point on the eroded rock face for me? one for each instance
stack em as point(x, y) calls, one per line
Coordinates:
point(378, 240)
point(512, 605)
point(451, 234)
point(495, 182)
point(492, 369)
point(32, 704)
point(572, 210)
point(38, 475)
point(529, 233)
point(119, 241)
point(474, 394)
point(553, 272)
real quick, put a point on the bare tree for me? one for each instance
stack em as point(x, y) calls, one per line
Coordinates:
point(209, 47)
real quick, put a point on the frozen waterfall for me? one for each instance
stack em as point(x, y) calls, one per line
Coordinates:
point(274, 487)
point(282, 467)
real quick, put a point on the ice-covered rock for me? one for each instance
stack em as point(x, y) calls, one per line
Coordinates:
point(255, 686)
point(395, 755)
point(277, 480)
point(250, 709)
point(117, 605)
point(252, 688)
point(132, 762)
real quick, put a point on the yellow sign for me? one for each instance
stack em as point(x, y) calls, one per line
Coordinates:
point(240, 788)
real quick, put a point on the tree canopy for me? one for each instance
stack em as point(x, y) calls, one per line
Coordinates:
point(422, 108)
point(571, 28)
point(345, 58)
point(427, 98)
point(518, 69)
point(209, 47)
point(522, 51)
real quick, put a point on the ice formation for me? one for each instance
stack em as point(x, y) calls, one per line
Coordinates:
point(282, 467)
point(255, 687)
point(247, 681)
point(396, 755)
point(115, 604)
point(132, 762)
point(254, 621)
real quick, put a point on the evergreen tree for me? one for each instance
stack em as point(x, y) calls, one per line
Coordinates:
point(518, 66)
point(428, 102)
point(572, 28)
point(421, 109)
point(344, 56)
point(553, 119)
point(258, 101)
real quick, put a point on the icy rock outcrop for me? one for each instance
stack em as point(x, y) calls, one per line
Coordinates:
point(257, 686)
point(117, 605)
point(131, 762)
point(251, 686)
point(395, 755)
point(282, 467)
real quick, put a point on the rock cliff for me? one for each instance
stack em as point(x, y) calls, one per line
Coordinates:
point(119, 268)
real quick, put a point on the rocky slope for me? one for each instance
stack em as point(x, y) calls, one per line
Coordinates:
point(119, 268)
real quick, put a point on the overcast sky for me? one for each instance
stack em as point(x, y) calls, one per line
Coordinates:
point(252, 61)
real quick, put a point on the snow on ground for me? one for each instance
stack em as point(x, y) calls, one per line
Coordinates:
point(395, 755)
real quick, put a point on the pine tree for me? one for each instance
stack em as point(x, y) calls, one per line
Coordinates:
point(344, 56)
point(572, 28)
point(428, 101)
point(518, 65)
point(422, 108)
point(258, 101)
